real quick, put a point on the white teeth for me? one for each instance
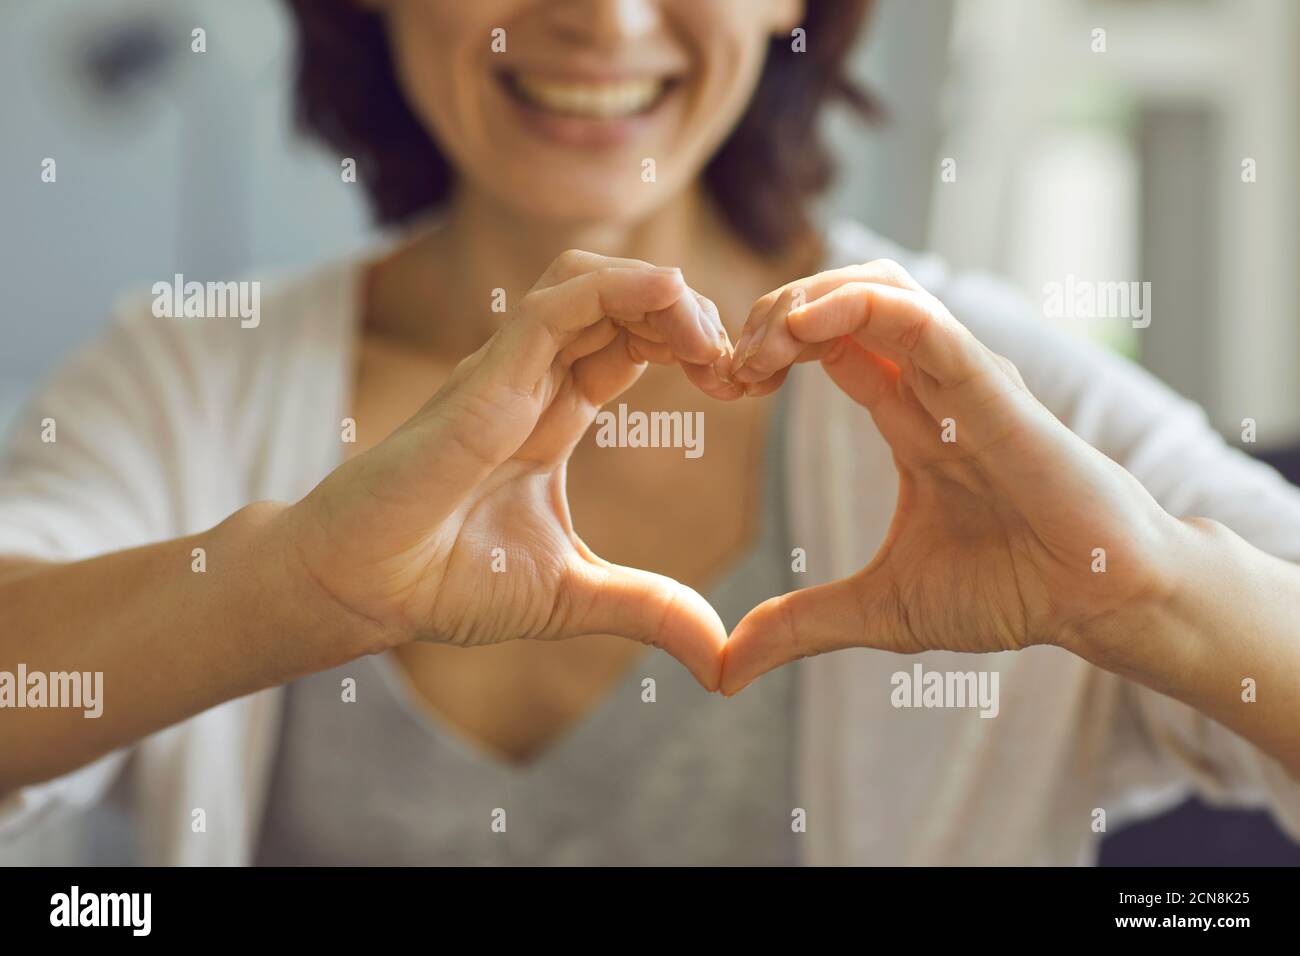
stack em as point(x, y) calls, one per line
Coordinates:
point(594, 100)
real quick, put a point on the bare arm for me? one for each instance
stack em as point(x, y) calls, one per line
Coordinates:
point(1233, 614)
point(395, 545)
point(169, 641)
point(1009, 529)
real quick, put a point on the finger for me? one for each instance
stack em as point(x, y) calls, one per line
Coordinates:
point(878, 271)
point(873, 382)
point(786, 628)
point(801, 291)
point(755, 330)
point(547, 321)
point(770, 348)
point(896, 322)
point(864, 376)
point(493, 401)
point(575, 262)
point(589, 341)
point(692, 329)
point(707, 380)
point(712, 378)
point(767, 386)
point(649, 608)
point(757, 316)
point(593, 380)
point(644, 331)
point(656, 353)
point(603, 376)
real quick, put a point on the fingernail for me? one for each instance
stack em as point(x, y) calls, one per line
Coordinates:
point(755, 343)
point(712, 331)
point(749, 339)
point(715, 319)
point(739, 350)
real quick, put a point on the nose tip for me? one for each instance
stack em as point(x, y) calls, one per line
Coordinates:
point(604, 20)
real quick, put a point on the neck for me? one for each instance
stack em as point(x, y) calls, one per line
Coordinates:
point(480, 246)
point(491, 240)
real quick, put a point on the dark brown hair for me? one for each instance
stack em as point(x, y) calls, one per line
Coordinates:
point(762, 178)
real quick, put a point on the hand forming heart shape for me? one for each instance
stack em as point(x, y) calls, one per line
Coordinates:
point(981, 554)
point(408, 537)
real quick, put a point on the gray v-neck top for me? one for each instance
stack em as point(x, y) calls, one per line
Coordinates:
point(690, 779)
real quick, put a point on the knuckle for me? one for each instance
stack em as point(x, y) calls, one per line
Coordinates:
point(893, 271)
point(532, 317)
point(922, 324)
point(571, 258)
point(799, 639)
point(1009, 368)
point(569, 263)
point(762, 307)
point(856, 290)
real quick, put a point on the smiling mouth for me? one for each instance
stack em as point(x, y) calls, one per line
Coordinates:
point(588, 99)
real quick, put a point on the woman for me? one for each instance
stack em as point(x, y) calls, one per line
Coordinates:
point(227, 511)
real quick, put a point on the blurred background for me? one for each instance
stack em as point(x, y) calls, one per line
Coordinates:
point(1110, 140)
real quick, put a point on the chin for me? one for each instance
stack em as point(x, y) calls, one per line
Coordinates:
point(567, 203)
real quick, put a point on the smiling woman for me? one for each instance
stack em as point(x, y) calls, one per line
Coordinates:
point(433, 599)
point(762, 154)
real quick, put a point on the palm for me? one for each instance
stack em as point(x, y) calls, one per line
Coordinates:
point(1001, 545)
point(521, 535)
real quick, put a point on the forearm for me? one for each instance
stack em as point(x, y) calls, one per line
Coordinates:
point(1232, 615)
point(169, 640)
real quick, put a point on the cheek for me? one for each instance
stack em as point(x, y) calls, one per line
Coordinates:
point(730, 59)
point(433, 56)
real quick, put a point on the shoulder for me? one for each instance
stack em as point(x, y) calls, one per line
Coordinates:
point(154, 386)
point(192, 353)
point(247, 320)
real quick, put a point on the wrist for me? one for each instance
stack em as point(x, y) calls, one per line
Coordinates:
point(307, 629)
point(1155, 632)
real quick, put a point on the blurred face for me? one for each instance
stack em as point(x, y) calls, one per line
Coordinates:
point(563, 109)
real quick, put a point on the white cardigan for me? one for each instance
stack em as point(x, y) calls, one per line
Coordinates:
point(166, 427)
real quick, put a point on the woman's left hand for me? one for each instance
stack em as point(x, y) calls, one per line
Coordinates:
point(1009, 530)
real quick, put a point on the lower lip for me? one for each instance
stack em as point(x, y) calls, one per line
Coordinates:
point(578, 131)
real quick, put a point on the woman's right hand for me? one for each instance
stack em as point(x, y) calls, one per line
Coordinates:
point(405, 536)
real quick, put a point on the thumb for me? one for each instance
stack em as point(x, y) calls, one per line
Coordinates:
point(649, 608)
point(800, 624)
